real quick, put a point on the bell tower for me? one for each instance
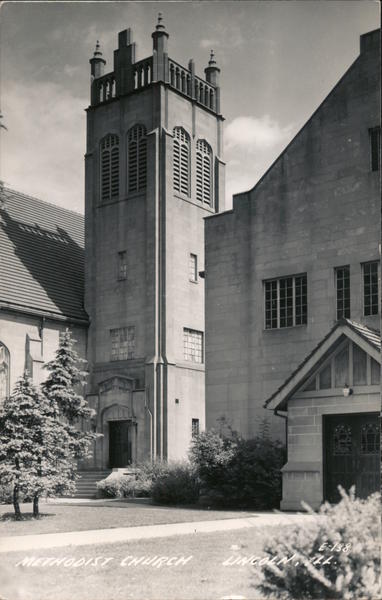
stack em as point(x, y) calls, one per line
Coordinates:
point(153, 171)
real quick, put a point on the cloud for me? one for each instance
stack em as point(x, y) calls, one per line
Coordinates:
point(71, 70)
point(42, 151)
point(209, 43)
point(252, 133)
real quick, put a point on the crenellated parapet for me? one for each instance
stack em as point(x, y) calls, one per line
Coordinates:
point(130, 76)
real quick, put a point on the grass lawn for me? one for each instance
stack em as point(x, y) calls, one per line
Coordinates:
point(203, 577)
point(57, 518)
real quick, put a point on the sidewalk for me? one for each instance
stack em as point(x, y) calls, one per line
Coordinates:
point(125, 534)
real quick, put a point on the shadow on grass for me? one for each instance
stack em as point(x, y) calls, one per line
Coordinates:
point(24, 517)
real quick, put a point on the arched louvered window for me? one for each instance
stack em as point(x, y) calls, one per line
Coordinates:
point(203, 172)
point(137, 157)
point(181, 161)
point(4, 373)
point(109, 167)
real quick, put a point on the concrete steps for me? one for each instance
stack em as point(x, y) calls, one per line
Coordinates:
point(86, 483)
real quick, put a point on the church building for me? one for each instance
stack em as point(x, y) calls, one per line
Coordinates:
point(132, 290)
point(191, 316)
point(293, 296)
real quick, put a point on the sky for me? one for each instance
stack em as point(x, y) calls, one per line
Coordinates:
point(278, 60)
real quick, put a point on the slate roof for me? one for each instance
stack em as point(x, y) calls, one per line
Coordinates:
point(41, 256)
point(371, 336)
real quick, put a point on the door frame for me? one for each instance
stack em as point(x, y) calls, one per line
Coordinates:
point(129, 441)
point(325, 420)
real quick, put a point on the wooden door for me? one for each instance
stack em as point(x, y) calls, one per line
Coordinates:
point(352, 454)
point(119, 444)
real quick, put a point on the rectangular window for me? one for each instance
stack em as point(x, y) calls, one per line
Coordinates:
point(375, 148)
point(195, 427)
point(122, 265)
point(193, 345)
point(370, 289)
point(193, 267)
point(122, 343)
point(286, 303)
point(343, 292)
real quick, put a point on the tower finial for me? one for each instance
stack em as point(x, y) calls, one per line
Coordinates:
point(160, 25)
point(212, 61)
point(97, 51)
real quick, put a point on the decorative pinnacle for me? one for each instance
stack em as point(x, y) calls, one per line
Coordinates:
point(160, 25)
point(97, 51)
point(212, 61)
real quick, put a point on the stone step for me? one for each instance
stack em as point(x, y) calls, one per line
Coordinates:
point(86, 483)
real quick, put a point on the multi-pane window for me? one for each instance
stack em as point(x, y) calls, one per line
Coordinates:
point(4, 373)
point(375, 148)
point(343, 292)
point(109, 167)
point(195, 427)
point(286, 303)
point(137, 157)
point(193, 267)
point(193, 345)
point(122, 265)
point(370, 288)
point(203, 172)
point(181, 161)
point(122, 343)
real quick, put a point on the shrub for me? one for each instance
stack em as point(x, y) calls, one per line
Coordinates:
point(253, 474)
point(238, 473)
point(211, 453)
point(118, 484)
point(346, 536)
point(112, 486)
point(178, 485)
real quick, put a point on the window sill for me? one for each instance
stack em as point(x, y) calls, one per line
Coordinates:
point(185, 198)
point(285, 328)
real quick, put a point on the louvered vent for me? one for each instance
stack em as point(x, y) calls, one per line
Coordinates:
point(181, 161)
point(203, 172)
point(137, 157)
point(109, 167)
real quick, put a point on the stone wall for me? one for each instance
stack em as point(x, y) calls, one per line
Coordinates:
point(303, 474)
point(315, 209)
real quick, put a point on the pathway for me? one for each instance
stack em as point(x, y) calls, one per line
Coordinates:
point(126, 534)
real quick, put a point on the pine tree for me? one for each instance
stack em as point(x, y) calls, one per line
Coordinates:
point(60, 388)
point(35, 457)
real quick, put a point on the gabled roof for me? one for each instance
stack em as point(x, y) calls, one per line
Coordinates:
point(41, 257)
point(368, 339)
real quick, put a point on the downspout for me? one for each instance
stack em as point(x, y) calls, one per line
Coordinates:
point(285, 416)
point(151, 424)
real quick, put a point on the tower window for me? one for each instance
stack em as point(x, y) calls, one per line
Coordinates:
point(181, 161)
point(122, 265)
point(109, 167)
point(343, 292)
point(375, 148)
point(195, 428)
point(193, 345)
point(122, 343)
point(286, 303)
point(4, 373)
point(370, 288)
point(137, 156)
point(193, 268)
point(203, 172)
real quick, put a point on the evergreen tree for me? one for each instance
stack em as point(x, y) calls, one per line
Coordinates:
point(61, 388)
point(34, 446)
point(40, 432)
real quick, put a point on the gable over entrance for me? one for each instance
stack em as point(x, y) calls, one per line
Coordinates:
point(332, 404)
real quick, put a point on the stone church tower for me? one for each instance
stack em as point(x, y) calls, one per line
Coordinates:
point(154, 170)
